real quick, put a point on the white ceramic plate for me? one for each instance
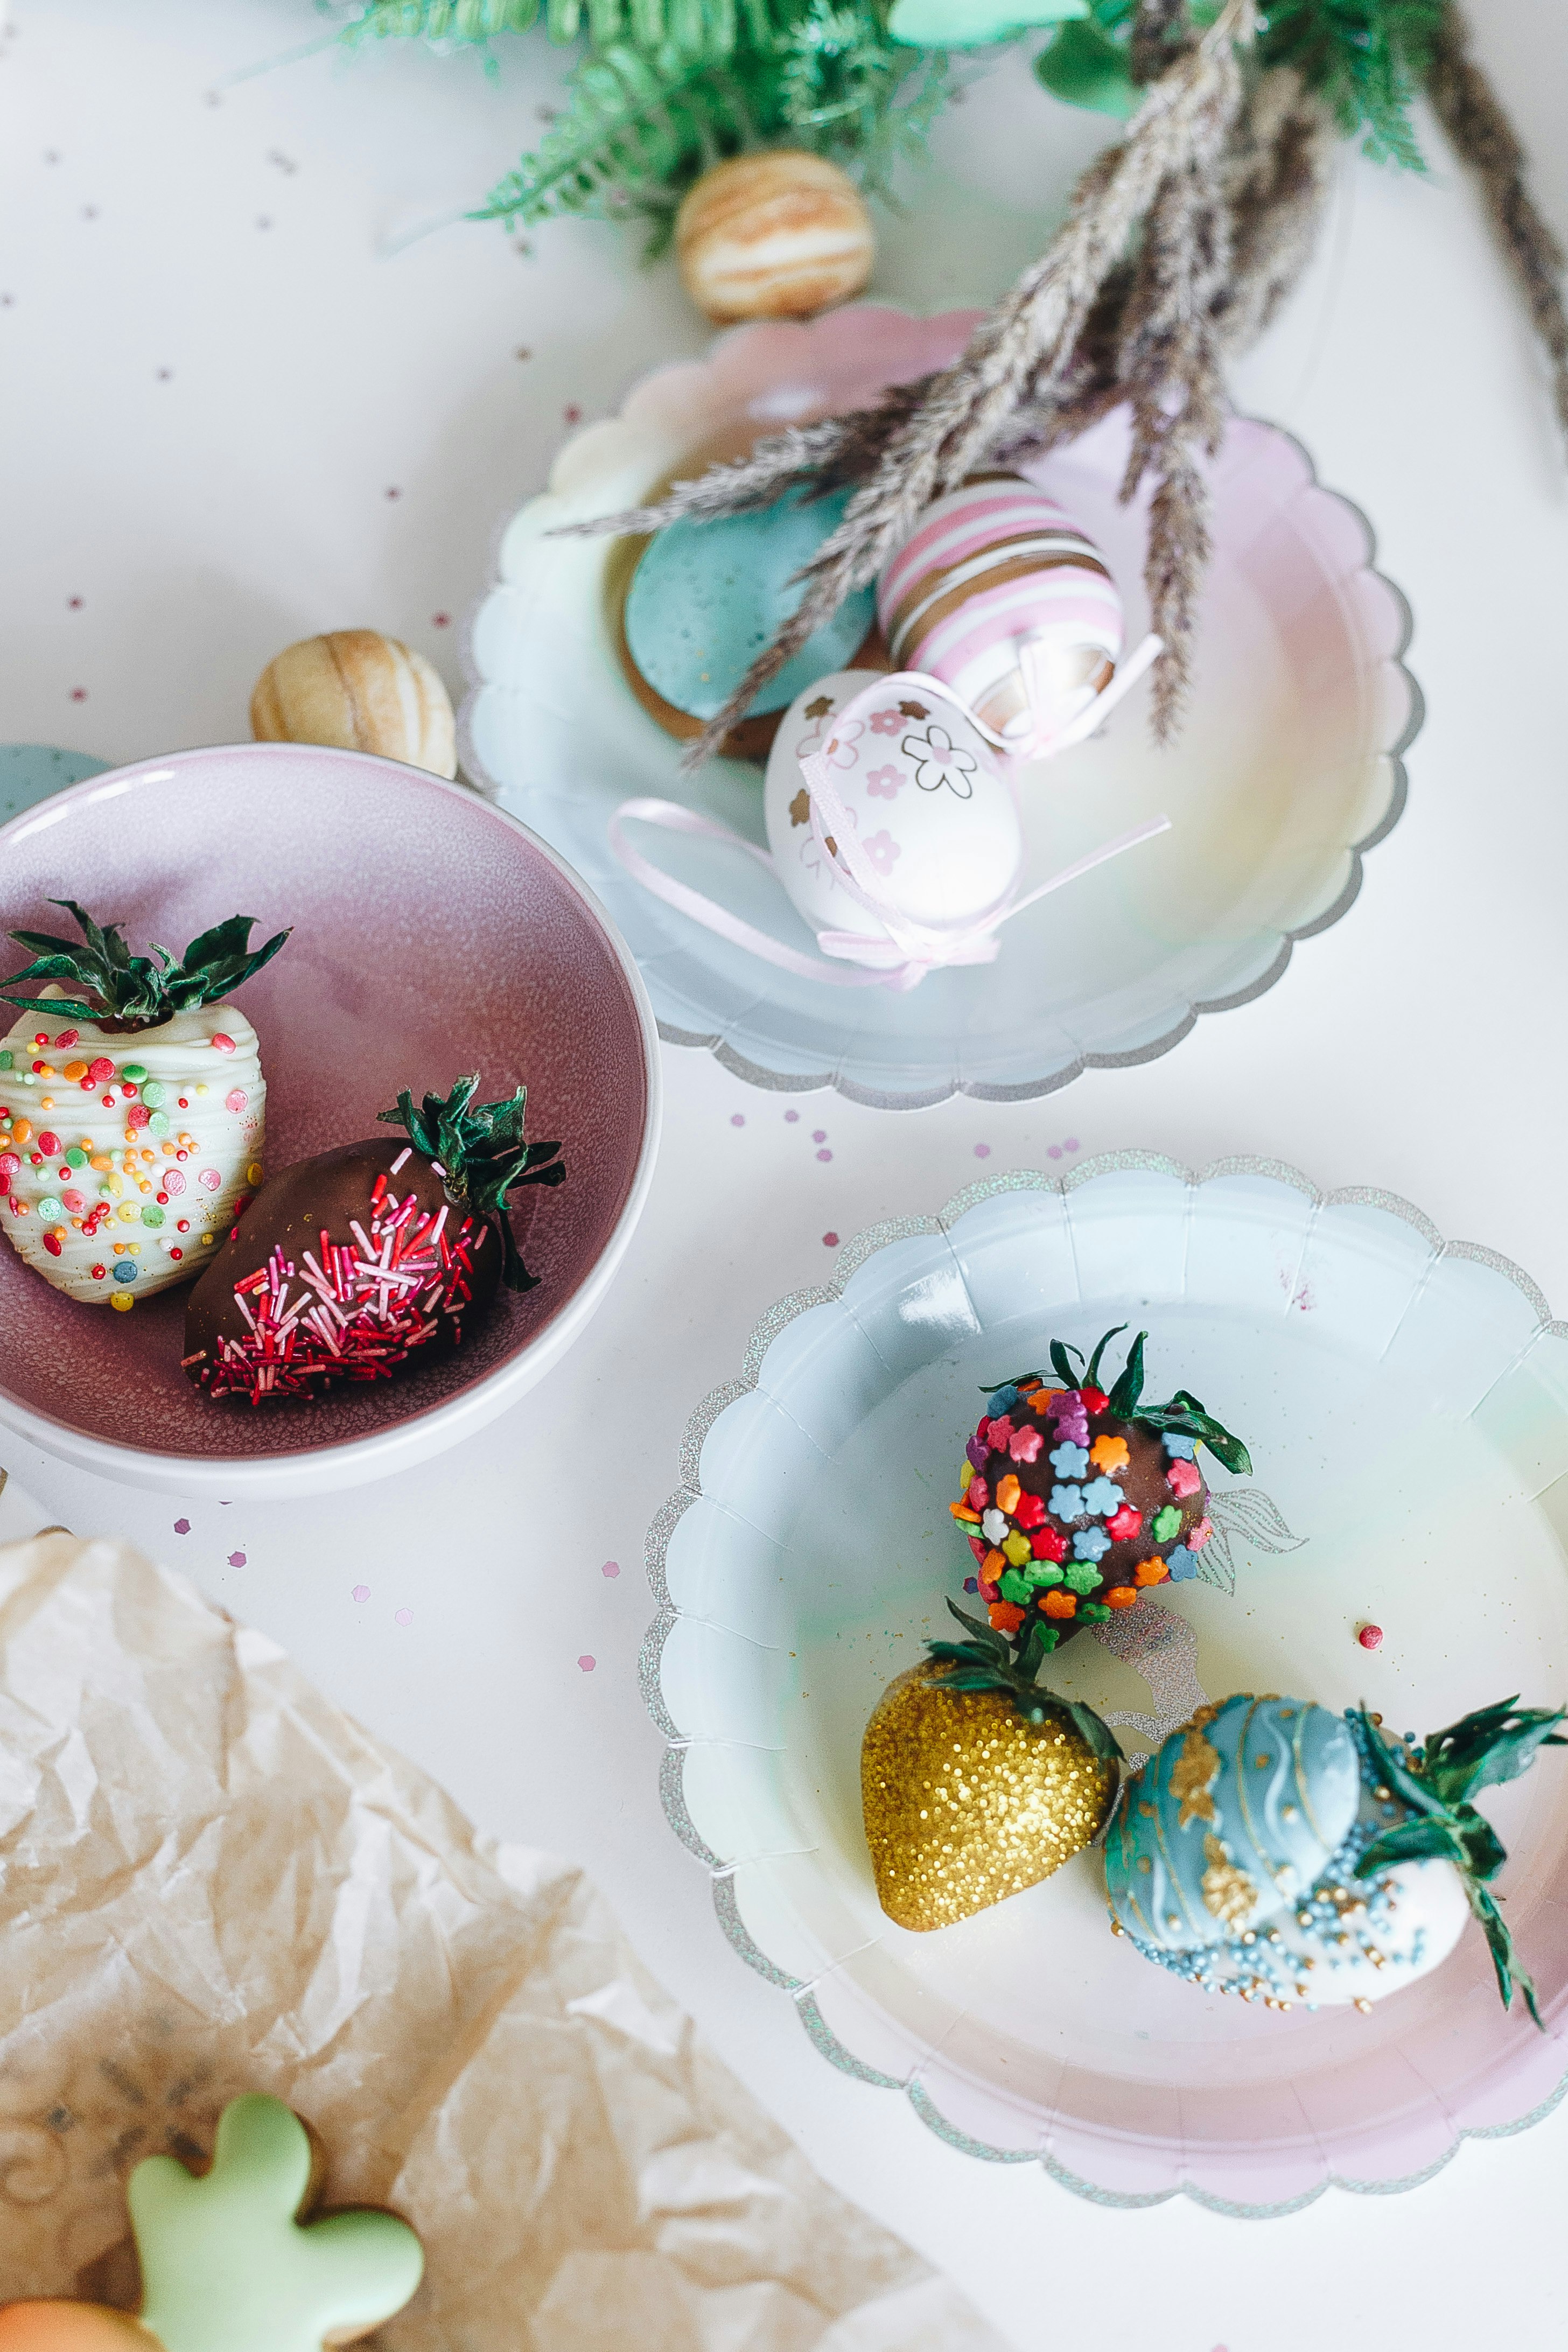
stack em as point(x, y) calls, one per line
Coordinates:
point(1406, 1406)
point(1287, 771)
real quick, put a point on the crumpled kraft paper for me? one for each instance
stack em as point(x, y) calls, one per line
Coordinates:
point(211, 1881)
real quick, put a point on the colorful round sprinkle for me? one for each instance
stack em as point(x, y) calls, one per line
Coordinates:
point(125, 1271)
point(221, 1044)
point(135, 1071)
point(209, 1178)
point(1370, 1637)
point(155, 1092)
point(122, 1299)
point(235, 1098)
point(150, 1213)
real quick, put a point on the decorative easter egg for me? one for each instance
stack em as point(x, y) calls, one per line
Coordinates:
point(704, 600)
point(773, 235)
point(992, 568)
point(1232, 1819)
point(361, 692)
point(967, 1800)
point(932, 813)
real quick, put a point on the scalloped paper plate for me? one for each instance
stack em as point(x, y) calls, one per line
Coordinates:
point(1405, 1402)
point(1287, 771)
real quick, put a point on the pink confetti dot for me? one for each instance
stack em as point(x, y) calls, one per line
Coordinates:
point(611, 1568)
point(1370, 1637)
point(440, 620)
point(737, 1118)
point(74, 603)
point(403, 1616)
point(78, 694)
point(181, 1527)
point(982, 1151)
point(825, 1155)
point(573, 415)
point(791, 1116)
point(209, 1179)
point(1072, 1143)
point(1055, 1151)
point(830, 1240)
point(236, 1559)
point(361, 1592)
point(587, 1663)
point(235, 1098)
point(819, 1135)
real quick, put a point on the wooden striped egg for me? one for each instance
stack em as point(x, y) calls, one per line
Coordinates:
point(990, 565)
point(775, 235)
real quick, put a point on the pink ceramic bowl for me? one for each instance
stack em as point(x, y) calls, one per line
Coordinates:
point(433, 935)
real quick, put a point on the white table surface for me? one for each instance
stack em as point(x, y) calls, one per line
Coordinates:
point(231, 418)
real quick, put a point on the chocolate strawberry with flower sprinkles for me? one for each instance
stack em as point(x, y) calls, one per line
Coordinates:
point(356, 1265)
point(1075, 1501)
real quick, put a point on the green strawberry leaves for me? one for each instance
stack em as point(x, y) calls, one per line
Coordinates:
point(1482, 1751)
point(479, 1151)
point(105, 983)
point(1184, 1412)
point(983, 1664)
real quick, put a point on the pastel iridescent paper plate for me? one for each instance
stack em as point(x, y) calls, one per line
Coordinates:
point(1287, 769)
point(1405, 1402)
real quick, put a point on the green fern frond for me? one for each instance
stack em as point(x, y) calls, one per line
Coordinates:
point(448, 22)
point(1367, 59)
point(637, 131)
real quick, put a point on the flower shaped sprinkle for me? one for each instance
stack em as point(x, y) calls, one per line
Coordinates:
point(1177, 1445)
point(882, 849)
point(994, 1527)
point(1182, 1565)
point(976, 1452)
point(1069, 1462)
point(1101, 1497)
point(1184, 1479)
point(885, 722)
point(1016, 1547)
point(1024, 1445)
point(1124, 1523)
point(1167, 1523)
point(1091, 1543)
point(937, 761)
point(883, 784)
point(1031, 1511)
point(1067, 1502)
point(1048, 1543)
point(1081, 1576)
point(1197, 1537)
point(998, 1431)
point(1109, 1454)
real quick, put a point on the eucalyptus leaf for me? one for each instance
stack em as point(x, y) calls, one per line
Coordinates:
point(1085, 68)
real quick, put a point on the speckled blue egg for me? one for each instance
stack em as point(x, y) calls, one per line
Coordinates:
point(707, 597)
point(1231, 1818)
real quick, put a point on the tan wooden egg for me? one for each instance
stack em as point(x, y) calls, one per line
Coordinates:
point(361, 692)
point(774, 235)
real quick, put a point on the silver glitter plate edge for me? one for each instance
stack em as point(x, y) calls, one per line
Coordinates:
point(672, 1790)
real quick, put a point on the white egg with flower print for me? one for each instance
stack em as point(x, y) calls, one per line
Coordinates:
point(932, 813)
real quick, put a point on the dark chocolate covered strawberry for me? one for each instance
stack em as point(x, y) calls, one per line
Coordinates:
point(1075, 1500)
point(367, 1259)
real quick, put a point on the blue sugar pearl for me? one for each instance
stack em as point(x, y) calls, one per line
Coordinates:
point(125, 1271)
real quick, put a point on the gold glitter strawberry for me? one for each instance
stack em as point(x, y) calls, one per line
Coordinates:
point(975, 1783)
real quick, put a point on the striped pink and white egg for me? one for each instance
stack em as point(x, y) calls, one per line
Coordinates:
point(991, 568)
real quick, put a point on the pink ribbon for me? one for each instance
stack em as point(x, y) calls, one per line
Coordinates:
point(905, 950)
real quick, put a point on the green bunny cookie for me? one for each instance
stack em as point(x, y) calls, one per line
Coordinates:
point(227, 2265)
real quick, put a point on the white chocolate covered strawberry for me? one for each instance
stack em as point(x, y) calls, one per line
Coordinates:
point(132, 1108)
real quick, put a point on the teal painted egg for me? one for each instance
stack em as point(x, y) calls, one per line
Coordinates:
point(1232, 1818)
point(706, 597)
